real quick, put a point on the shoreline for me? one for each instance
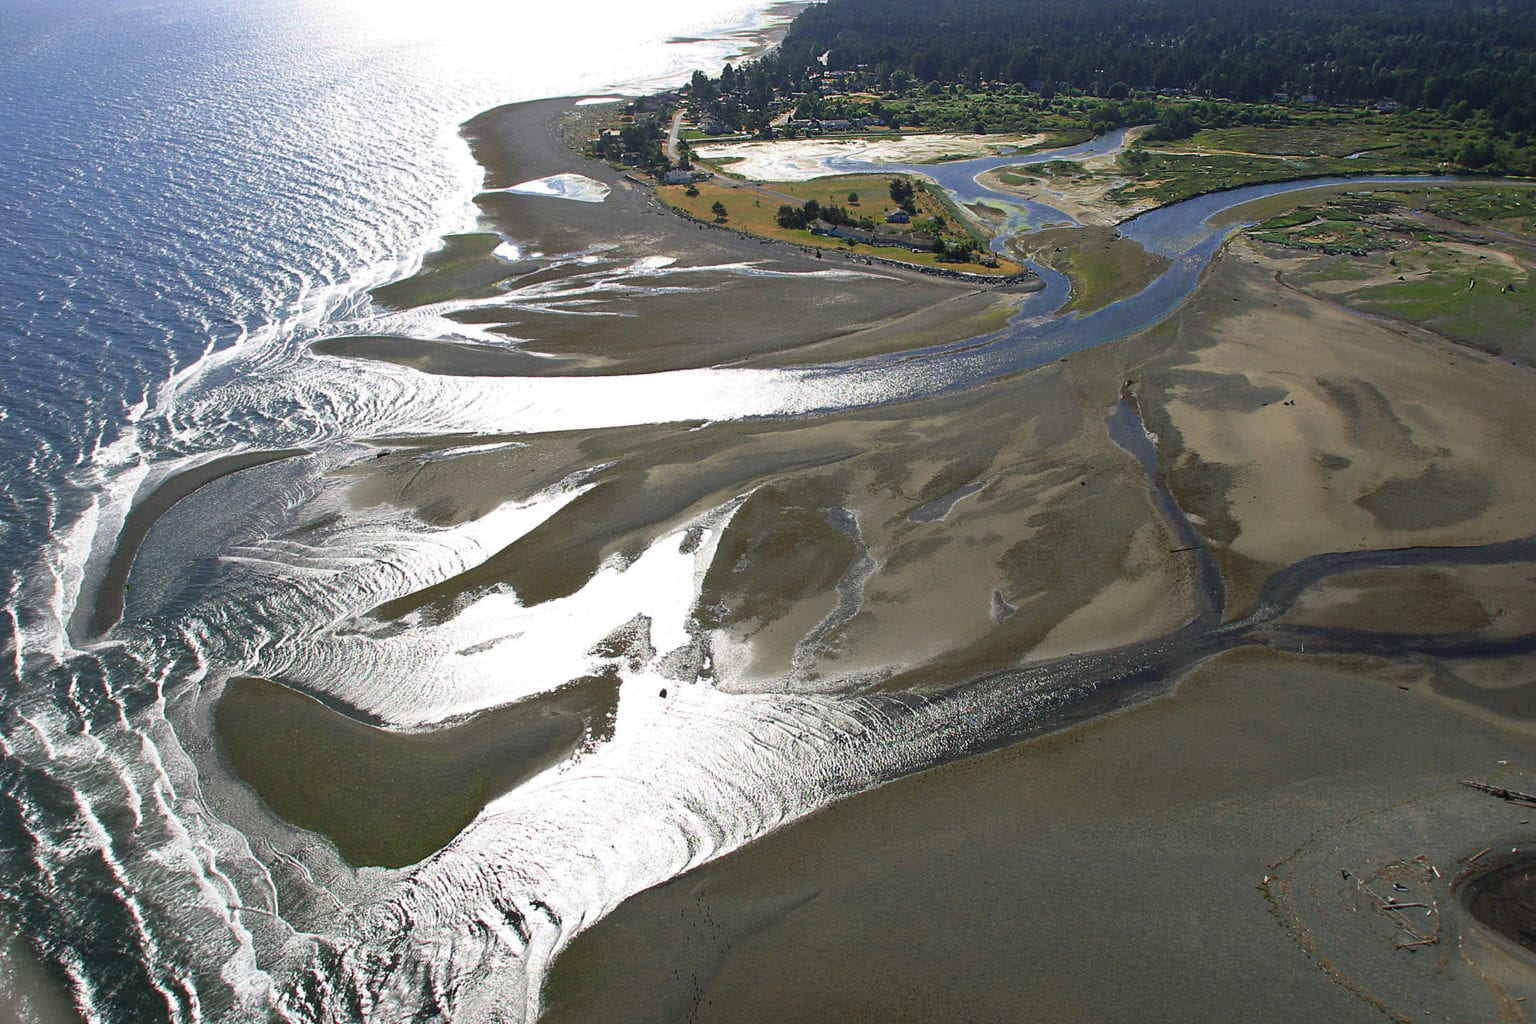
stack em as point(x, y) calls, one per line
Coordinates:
point(569, 303)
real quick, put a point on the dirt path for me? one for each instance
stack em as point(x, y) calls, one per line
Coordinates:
point(672, 133)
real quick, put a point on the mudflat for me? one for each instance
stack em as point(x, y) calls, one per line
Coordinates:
point(391, 798)
point(1235, 849)
point(1208, 856)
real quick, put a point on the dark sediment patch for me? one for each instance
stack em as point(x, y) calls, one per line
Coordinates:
point(624, 510)
point(107, 608)
point(1504, 899)
point(463, 266)
point(1438, 497)
point(446, 358)
point(1226, 392)
point(454, 479)
point(780, 548)
point(1330, 461)
point(1515, 703)
point(389, 798)
point(1370, 417)
point(1407, 599)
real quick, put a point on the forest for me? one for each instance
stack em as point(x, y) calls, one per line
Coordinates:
point(1458, 57)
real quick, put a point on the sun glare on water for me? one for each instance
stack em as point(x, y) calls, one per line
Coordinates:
point(561, 40)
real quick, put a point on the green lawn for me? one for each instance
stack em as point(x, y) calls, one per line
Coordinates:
point(1171, 177)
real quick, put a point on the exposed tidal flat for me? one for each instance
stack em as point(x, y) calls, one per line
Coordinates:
point(1306, 530)
point(391, 798)
point(1186, 510)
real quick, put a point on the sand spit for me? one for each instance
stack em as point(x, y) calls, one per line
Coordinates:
point(105, 608)
point(624, 286)
point(389, 798)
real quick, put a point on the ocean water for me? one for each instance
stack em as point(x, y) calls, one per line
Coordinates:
point(191, 191)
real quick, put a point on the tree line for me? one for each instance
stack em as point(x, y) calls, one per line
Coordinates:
point(1462, 58)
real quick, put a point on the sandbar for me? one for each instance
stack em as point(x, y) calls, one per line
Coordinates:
point(106, 609)
point(390, 798)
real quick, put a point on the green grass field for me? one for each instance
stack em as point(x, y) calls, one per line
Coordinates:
point(1171, 177)
point(1385, 258)
point(1505, 209)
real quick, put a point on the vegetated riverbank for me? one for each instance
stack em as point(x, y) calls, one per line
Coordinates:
point(923, 547)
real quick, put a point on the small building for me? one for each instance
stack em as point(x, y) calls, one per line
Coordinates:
point(678, 177)
point(712, 127)
point(898, 217)
point(836, 124)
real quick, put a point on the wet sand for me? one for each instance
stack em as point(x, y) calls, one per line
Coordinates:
point(106, 609)
point(1113, 872)
point(388, 798)
point(1054, 544)
point(454, 359)
point(1221, 854)
point(1291, 426)
point(1168, 863)
point(30, 993)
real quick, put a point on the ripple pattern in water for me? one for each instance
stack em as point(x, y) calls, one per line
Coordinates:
point(192, 190)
